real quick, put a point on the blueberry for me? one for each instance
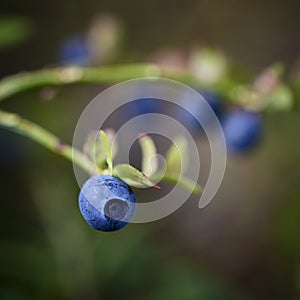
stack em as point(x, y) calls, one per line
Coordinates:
point(242, 129)
point(213, 99)
point(143, 106)
point(195, 106)
point(75, 50)
point(106, 203)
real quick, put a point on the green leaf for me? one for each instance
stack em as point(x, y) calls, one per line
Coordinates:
point(149, 160)
point(132, 176)
point(183, 181)
point(281, 99)
point(91, 149)
point(14, 30)
point(189, 185)
point(108, 150)
point(176, 156)
point(94, 148)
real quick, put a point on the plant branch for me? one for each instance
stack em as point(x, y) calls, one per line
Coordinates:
point(29, 129)
point(60, 76)
point(183, 181)
point(15, 84)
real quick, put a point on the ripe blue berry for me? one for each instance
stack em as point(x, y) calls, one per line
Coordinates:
point(106, 203)
point(75, 50)
point(242, 130)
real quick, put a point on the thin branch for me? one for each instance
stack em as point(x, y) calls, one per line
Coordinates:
point(183, 181)
point(22, 82)
point(29, 129)
point(15, 84)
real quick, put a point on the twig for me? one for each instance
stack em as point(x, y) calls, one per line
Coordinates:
point(29, 129)
point(22, 82)
point(13, 85)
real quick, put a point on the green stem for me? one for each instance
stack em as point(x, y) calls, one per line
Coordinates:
point(16, 84)
point(29, 129)
point(184, 182)
point(13, 85)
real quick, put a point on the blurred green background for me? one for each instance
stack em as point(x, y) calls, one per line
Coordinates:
point(244, 245)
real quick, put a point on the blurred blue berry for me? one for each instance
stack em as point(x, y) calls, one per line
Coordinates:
point(75, 50)
point(242, 130)
point(143, 106)
point(105, 203)
point(213, 100)
point(195, 106)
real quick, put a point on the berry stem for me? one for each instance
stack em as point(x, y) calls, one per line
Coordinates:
point(29, 129)
point(184, 182)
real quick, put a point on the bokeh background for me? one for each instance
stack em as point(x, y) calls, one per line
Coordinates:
point(244, 245)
